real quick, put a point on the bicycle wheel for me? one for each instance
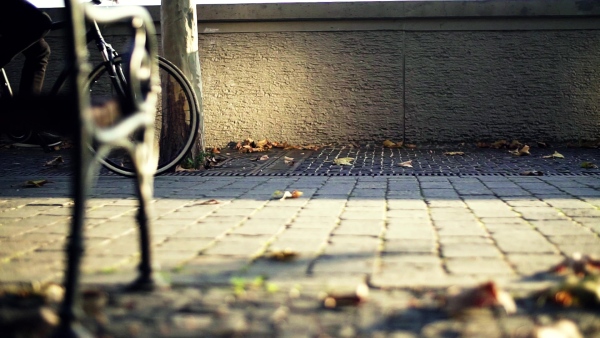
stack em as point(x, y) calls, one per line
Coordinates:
point(177, 107)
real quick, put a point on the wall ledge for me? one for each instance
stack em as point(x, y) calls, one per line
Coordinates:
point(387, 10)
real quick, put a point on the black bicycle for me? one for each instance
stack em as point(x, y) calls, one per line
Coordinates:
point(177, 109)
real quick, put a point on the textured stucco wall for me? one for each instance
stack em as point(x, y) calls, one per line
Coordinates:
point(504, 69)
point(542, 85)
point(302, 87)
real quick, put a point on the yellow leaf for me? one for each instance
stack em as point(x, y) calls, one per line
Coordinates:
point(588, 165)
point(35, 183)
point(555, 155)
point(261, 143)
point(406, 164)
point(343, 161)
point(454, 153)
point(391, 144)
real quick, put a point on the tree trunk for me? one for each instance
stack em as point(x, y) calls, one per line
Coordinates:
point(179, 33)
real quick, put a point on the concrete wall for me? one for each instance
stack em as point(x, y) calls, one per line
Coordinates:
point(423, 71)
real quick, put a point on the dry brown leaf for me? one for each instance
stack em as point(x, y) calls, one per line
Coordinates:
point(216, 150)
point(578, 264)
point(486, 295)
point(573, 291)
point(483, 145)
point(391, 144)
point(532, 173)
point(515, 145)
point(454, 153)
point(406, 164)
point(284, 255)
point(58, 160)
point(499, 144)
point(209, 202)
point(182, 169)
point(35, 183)
point(542, 144)
point(93, 301)
point(555, 155)
point(410, 146)
point(263, 158)
point(288, 160)
point(521, 152)
point(297, 193)
point(335, 300)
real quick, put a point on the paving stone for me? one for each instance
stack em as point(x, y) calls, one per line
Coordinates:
point(469, 250)
point(359, 227)
point(528, 264)
point(416, 232)
point(407, 214)
point(490, 267)
point(409, 246)
point(238, 246)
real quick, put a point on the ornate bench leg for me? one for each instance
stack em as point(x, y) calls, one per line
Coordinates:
point(75, 247)
point(144, 187)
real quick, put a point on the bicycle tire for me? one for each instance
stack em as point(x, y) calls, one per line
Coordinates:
point(118, 160)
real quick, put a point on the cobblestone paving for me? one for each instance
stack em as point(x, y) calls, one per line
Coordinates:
point(369, 160)
point(406, 232)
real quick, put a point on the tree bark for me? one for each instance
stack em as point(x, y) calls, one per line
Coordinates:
point(179, 34)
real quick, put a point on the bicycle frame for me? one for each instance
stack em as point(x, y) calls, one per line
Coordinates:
point(108, 54)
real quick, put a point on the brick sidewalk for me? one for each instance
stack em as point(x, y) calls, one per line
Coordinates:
point(401, 231)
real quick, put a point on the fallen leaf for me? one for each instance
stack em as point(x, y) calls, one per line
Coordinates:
point(263, 158)
point(179, 168)
point(216, 150)
point(532, 173)
point(288, 160)
point(391, 144)
point(297, 193)
point(454, 153)
point(578, 264)
point(209, 202)
point(284, 255)
point(410, 146)
point(281, 195)
point(35, 183)
point(335, 301)
point(58, 160)
point(343, 161)
point(563, 328)
point(484, 296)
point(524, 151)
point(499, 144)
point(542, 144)
point(555, 155)
point(93, 301)
point(261, 143)
point(406, 164)
point(573, 291)
point(515, 145)
point(483, 145)
point(588, 165)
